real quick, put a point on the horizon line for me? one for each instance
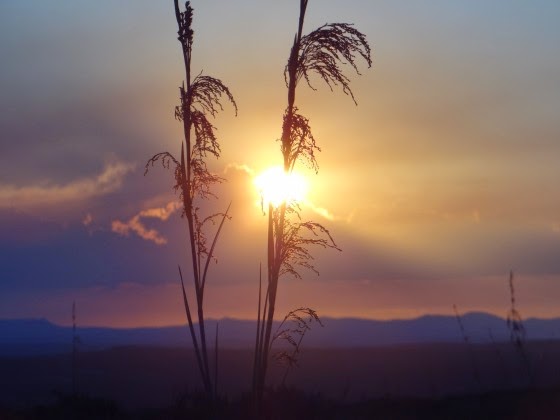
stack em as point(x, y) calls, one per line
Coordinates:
point(231, 318)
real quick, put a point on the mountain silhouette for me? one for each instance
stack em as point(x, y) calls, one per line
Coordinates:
point(39, 336)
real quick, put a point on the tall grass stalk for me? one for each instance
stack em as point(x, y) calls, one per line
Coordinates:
point(75, 343)
point(320, 52)
point(517, 331)
point(300, 320)
point(468, 345)
point(500, 356)
point(200, 98)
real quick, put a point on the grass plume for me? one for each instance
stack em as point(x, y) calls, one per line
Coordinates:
point(289, 240)
point(200, 98)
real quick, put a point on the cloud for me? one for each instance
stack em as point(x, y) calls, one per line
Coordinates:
point(239, 167)
point(109, 180)
point(134, 224)
point(321, 211)
point(327, 214)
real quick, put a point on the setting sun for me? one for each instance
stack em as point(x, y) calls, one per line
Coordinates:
point(275, 186)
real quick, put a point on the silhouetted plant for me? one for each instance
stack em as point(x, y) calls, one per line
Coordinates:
point(199, 98)
point(75, 342)
point(500, 356)
point(321, 52)
point(468, 345)
point(291, 330)
point(517, 330)
point(513, 319)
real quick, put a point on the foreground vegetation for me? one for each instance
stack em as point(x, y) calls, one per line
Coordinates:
point(395, 382)
point(290, 403)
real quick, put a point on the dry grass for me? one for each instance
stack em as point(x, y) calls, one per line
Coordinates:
point(321, 52)
point(517, 332)
point(200, 98)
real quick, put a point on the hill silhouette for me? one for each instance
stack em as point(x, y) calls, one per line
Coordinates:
point(39, 336)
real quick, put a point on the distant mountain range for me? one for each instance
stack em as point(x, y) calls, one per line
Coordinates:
point(39, 336)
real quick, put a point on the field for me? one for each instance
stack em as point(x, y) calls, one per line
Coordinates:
point(405, 381)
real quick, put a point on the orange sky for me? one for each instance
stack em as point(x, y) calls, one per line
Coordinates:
point(441, 180)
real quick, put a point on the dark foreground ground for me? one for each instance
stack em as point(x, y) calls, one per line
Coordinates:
point(292, 404)
point(440, 381)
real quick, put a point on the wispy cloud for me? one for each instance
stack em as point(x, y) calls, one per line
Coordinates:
point(134, 224)
point(321, 211)
point(109, 180)
point(327, 214)
point(239, 167)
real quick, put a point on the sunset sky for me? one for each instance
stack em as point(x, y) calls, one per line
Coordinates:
point(442, 179)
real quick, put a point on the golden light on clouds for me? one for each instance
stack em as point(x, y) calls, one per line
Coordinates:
point(135, 224)
point(109, 180)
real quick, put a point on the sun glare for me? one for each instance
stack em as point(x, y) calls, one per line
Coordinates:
point(276, 187)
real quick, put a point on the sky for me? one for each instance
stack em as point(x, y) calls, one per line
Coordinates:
point(440, 181)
